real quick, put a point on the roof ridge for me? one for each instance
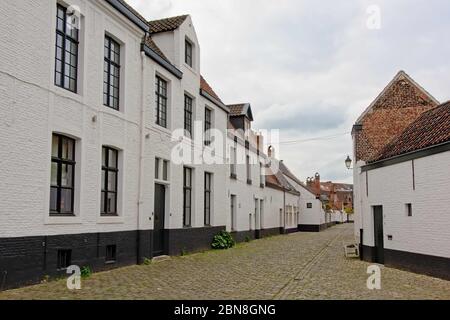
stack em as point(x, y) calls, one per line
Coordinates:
point(397, 77)
point(166, 24)
point(169, 18)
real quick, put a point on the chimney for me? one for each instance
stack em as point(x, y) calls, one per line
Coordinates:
point(271, 152)
point(317, 184)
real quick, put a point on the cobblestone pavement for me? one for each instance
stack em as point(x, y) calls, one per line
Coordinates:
point(296, 266)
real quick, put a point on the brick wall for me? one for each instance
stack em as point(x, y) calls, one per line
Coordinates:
point(391, 113)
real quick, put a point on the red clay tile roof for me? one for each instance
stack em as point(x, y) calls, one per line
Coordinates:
point(431, 128)
point(207, 88)
point(272, 181)
point(167, 24)
point(277, 180)
point(236, 109)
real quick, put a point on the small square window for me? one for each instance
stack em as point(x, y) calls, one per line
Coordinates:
point(408, 209)
point(111, 253)
point(64, 259)
point(309, 205)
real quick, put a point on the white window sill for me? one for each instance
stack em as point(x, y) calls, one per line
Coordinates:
point(161, 129)
point(110, 220)
point(191, 69)
point(68, 94)
point(113, 112)
point(62, 220)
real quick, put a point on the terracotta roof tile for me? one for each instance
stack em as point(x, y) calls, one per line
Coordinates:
point(207, 88)
point(236, 109)
point(431, 128)
point(167, 24)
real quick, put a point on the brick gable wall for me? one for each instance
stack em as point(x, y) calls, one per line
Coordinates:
point(398, 107)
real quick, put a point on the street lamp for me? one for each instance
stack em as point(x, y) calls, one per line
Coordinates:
point(348, 163)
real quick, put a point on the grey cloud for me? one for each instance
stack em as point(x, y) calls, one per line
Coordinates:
point(312, 67)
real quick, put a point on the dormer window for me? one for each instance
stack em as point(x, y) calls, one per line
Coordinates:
point(188, 53)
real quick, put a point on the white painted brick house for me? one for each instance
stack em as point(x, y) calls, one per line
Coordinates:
point(404, 212)
point(87, 172)
point(115, 149)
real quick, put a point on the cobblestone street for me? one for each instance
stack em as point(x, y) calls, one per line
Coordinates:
point(296, 266)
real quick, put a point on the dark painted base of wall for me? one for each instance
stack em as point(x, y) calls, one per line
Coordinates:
point(28, 260)
point(312, 227)
point(291, 230)
point(179, 241)
point(244, 236)
point(270, 232)
point(434, 266)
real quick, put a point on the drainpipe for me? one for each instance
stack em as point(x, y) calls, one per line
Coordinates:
point(141, 160)
point(284, 210)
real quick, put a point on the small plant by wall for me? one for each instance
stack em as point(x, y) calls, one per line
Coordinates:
point(223, 240)
point(86, 272)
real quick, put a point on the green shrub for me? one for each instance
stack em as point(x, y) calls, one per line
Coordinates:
point(223, 240)
point(86, 272)
point(147, 261)
point(247, 239)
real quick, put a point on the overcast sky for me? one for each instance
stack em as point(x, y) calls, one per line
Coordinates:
point(309, 68)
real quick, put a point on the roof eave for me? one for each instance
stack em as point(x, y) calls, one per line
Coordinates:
point(119, 6)
point(218, 103)
point(416, 154)
point(163, 63)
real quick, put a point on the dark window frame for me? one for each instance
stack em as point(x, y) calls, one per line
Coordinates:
point(111, 253)
point(208, 126)
point(161, 87)
point(109, 98)
point(409, 211)
point(63, 259)
point(207, 196)
point(188, 53)
point(309, 205)
point(106, 168)
point(187, 188)
point(188, 112)
point(60, 161)
point(67, 38)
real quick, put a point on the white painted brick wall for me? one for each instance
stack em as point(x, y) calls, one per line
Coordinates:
point(428, 230)
point(31, 108)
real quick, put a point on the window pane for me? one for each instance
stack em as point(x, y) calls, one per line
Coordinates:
point(112, 176)
point(102, 203)
point(67, 149)
point(112, 159)
point(66, 175)
point(111, 203)
point(165, 170)
point(55, 146)
point(187, 177)
point(53, 199)
point(54, 174)
point(103, 180)
point(66, 201)
point(187, 200)
point(157, 168)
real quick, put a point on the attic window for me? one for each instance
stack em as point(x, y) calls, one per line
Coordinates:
point(188, 53)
